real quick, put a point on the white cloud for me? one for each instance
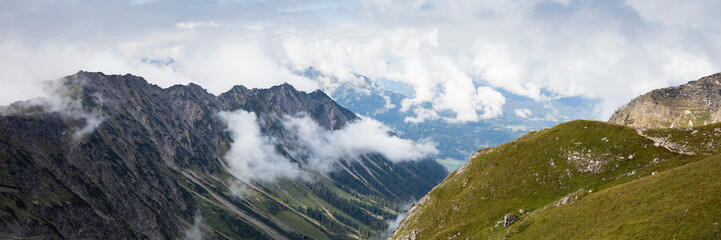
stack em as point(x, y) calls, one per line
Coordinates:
point(234, 63)
point(518, 128)
point(24, 67)
point(495, 64)
point(408, 56)
point(323, 148)
point(543, 50)
point(523, 112)
point(687, 14)
point(217, 68)
point(193, 25)
point(194, 233)
point(422, 114)
point(252, 156)
point(389, 104)
point(54, 98)
point(605, 51)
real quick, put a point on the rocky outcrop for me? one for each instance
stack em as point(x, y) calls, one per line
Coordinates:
point(693, 104)
point(509, 219)
point(285, 100)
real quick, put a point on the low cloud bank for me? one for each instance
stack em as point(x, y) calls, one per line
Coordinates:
point(253, 157)
point(56, 99)
point(360, 137)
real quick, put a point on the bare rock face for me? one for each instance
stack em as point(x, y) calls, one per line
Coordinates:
point(693, 104)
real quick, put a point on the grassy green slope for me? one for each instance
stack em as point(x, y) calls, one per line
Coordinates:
point(704, 140)
point(682, 203)
point(534, 172)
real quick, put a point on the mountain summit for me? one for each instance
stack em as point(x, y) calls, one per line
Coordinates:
point(114, 157)
point(693, 104)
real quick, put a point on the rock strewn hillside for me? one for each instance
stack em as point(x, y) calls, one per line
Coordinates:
point(696, 103)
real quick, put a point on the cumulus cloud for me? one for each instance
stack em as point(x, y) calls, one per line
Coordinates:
point(323, 148)
point(252, 156)
point(460, 52)
point(538, 49)
point(408, 56)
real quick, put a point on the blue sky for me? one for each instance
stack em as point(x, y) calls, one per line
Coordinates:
point(458, 56)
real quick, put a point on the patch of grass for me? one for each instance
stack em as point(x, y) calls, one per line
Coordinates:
point(227, 223)
point(300, 224)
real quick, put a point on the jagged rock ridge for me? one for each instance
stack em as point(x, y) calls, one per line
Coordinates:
point(154, 162)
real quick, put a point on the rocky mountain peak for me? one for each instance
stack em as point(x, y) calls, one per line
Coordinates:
point(133, 160)
point(281, 100)
point(286, 100)
point(695, 103)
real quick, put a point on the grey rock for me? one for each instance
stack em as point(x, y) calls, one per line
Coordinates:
point(695, 103)
point(509, 219)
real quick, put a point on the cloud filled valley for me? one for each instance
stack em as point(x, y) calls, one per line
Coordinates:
point(254, 156)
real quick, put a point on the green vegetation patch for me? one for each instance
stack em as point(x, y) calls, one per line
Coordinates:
point(533, 171)
point(682, 203)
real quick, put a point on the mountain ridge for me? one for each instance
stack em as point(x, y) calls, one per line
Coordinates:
point(133, 160)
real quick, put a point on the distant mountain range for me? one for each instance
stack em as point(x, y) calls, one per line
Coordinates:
point(455, 141)
point(653, 172)
point(114, 157)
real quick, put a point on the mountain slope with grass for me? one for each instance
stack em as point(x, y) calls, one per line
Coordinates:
point(641, 179)
point(681, 203)
point(582, 166)
point(114, 157)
